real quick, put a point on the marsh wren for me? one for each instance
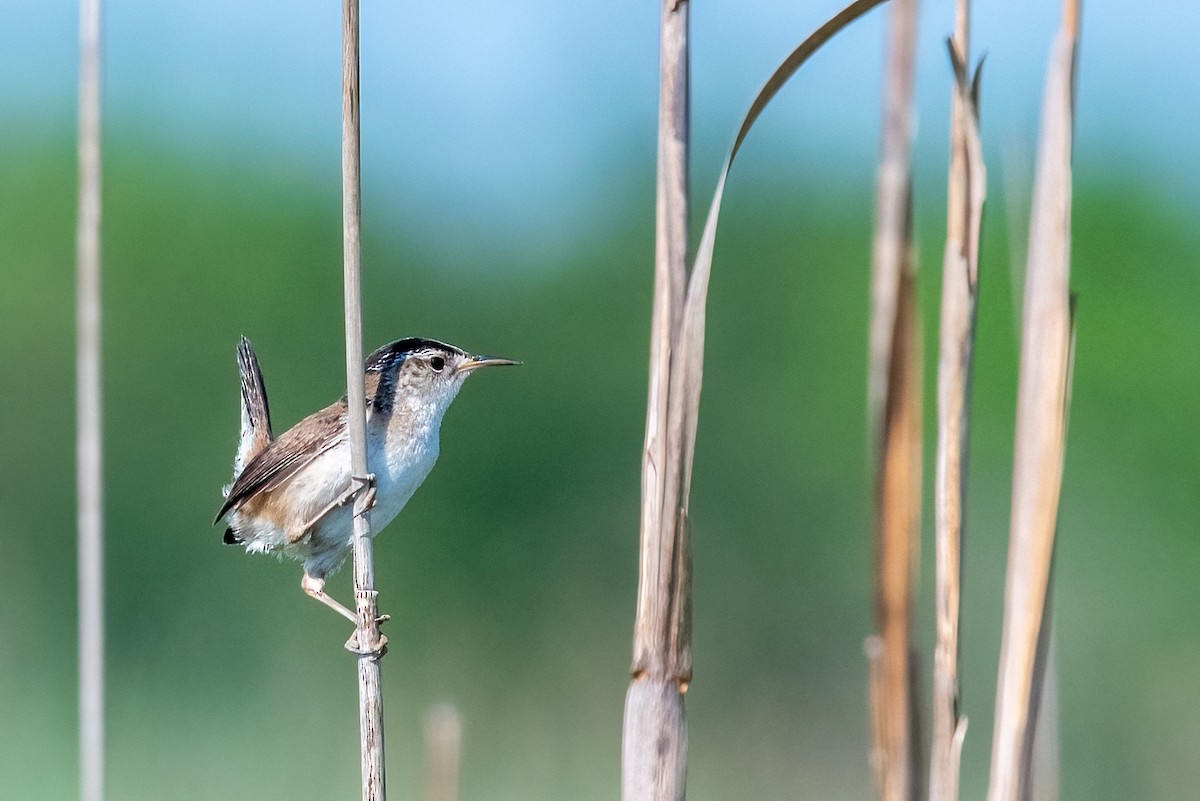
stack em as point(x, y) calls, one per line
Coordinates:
point(291, 494)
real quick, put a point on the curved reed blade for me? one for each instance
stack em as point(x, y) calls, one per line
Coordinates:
point(691, 341)
point(1042, 399)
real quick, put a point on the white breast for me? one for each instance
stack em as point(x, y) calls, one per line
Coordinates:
point(400, 461)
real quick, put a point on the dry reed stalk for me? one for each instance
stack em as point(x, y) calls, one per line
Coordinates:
point(895, 755)
point(894, 400)
point(1043, 393)
point(654, 740)
point(370, 698)
point(960, 272)
point(443, 746)
point(89, 461)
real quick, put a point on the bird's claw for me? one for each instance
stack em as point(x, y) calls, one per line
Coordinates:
point(366, 486)
point(376, 650)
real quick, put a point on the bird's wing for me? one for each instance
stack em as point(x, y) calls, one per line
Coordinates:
point(295, 448)
point(256, 415)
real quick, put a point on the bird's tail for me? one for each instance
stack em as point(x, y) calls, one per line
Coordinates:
point(256, 416)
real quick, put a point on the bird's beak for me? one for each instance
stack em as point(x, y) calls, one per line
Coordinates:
point(475, 362)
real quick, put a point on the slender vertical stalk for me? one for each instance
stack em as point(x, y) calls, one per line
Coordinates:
point(895, 416)
point(892, 206)
point(960, 267)
point(654, 745)
point(89, 463)
point(370, 699)
point(895, 755)
point(1043, 393)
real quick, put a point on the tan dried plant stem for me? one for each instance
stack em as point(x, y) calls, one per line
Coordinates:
point(89, 459)
point(894, 401)
point(960, 274)
point(370, 698)
point(1043, 392)
point(654, 742)
point(895, 755)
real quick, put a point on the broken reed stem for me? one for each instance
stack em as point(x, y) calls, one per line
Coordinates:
point(894, 400)
point(654, 740)
point(370, 698)
point(960, 272)
point(89, 461)
point(1042, 398)
point(443, 747)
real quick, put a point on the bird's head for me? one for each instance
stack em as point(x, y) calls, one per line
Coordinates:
point(420, 372)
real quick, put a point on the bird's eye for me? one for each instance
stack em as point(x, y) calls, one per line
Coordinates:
point(437, 363)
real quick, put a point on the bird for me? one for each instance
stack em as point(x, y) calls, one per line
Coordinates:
point(291, 494)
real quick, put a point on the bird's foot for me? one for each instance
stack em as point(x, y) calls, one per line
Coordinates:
point(378, 649)
point(364, 485)
point(375, 650)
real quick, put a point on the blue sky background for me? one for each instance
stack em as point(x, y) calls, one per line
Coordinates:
point(489, 120)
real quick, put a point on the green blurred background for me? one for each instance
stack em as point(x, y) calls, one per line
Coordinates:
point(510, 576)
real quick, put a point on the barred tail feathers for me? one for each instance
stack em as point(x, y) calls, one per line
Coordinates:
point(256, 415)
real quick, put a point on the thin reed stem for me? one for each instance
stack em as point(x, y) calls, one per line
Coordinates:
point(960, 274)
point(654, 742)
point(89, 459)
point(370, 698)
point(1043, 395)
point(660, 473)
point(894, 402)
